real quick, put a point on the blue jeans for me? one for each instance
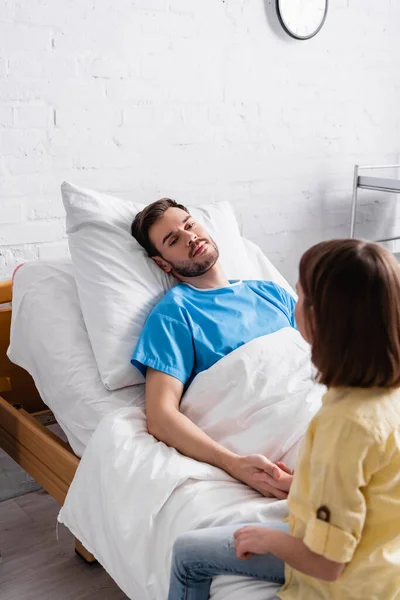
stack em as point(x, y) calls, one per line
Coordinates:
point(200, 555)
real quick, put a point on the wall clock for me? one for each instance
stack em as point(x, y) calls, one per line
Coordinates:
point(302, 19)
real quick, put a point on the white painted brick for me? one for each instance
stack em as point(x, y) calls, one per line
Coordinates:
point(17, 90)
point(150, 5)
point(3, 66)
point(21, 142)
point(43, 13)
point(169, 24)
point(27, 164)
point(21, 253)
point(45, 208)
point(108, 180)
point(134, 91)
point(139, 115)
point(26, 117)
point(50, 66)
point(17, 38)
point(105, 158)
point(6, 115)
point(77, 44)
point(94, 117)
point(69, 93)
point(107, 68)
point(11, 212)
point(179, 125)
point(53, 251)
point(182, 6)
point(237, 122)
point(12, 256)
point(17, 185)
point(202, 88)
point(28, 233)
point(113, 24)
point(86, 148)
point(3, 171)
point(8, 11)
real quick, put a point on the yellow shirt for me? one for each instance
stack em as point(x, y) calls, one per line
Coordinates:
point(345, 498)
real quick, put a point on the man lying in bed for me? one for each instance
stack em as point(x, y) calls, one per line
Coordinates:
point(196, 324)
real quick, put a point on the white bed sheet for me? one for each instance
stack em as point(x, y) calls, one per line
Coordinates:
point(139, 494)
point(49, 340)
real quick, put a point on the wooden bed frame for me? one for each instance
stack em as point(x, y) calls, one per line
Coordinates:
point(49, 460)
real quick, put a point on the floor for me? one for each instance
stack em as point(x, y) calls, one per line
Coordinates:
point(35, 565)
point(13, 480)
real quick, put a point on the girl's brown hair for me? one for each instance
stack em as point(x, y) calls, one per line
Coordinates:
point(352, 308)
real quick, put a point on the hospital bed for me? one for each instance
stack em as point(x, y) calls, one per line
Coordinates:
point(58, 374)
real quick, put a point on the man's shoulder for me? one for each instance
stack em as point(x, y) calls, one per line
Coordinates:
point(263, 284)
point(172, 302)
point(175, 294)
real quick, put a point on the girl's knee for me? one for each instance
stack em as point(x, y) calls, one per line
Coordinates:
point(184, 545)
point(192, 546)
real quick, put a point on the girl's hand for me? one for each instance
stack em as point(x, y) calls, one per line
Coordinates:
point(286, 479)
point(281, 481)
point(251, 540)
point(284, 467)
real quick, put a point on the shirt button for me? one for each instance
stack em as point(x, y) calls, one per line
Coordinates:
point(324, 514)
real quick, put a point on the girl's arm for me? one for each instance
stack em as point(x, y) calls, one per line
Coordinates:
point(251, 540)
point(342, 459)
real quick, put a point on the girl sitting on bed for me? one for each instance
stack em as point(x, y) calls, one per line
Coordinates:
point(343, 537)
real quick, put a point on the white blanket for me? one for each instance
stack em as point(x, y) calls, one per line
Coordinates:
point(132, 495)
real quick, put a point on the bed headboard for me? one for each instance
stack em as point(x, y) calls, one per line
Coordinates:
point(16, 385)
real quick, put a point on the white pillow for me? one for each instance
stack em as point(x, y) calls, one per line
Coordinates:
point(50, 341)
point(118, 284)
point(262, 268)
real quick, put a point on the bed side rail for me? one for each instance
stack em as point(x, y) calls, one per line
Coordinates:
point(46, 458)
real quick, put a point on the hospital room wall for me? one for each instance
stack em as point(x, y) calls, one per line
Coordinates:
point(197, 100)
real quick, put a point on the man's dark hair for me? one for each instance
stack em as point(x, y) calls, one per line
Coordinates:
point(147, 217)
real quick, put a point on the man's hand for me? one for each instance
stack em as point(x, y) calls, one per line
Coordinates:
point(251, 540)
point(263, 475)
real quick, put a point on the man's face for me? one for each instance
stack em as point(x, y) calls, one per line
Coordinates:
point(186, 248)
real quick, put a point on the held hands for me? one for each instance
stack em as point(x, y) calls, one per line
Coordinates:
point(271, 480)
point(252, 540)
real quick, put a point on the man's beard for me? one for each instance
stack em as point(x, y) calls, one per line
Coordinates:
point(188, 268)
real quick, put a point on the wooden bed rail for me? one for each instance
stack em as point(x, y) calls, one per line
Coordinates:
point(5, 291)
point(16, 385)
point(37, 450)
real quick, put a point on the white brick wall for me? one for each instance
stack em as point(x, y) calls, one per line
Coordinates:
point(200, 101)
